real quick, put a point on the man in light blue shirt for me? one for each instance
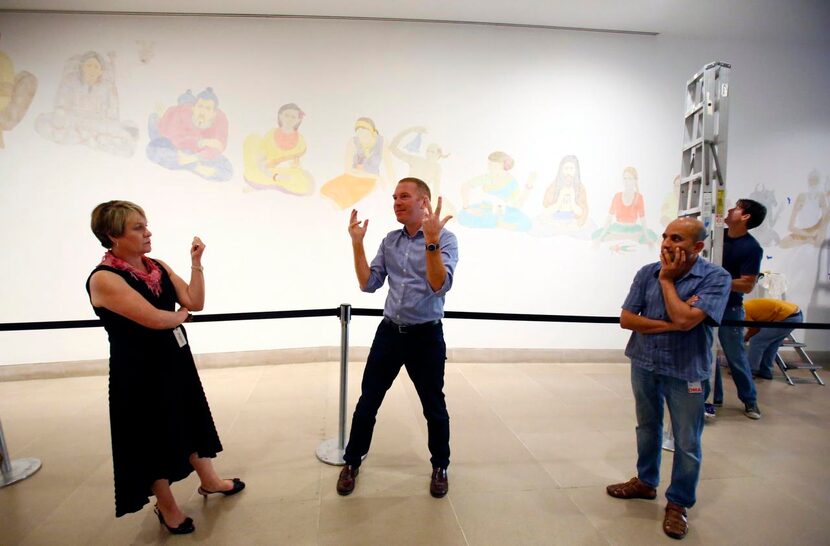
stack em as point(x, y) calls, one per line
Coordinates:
point(670, 308)
point(419, 261)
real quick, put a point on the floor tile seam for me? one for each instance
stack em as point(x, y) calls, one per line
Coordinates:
point(816, 510)
point(754, 477)
point(54, 511)
point(568, 455)
point(12, 449)
point(591, 520)
point(502, 421)
point(274, 501)
point(733, 464)
point(319, 504)
point(506, 489)
point(48, 434)
point(238, 411)
point(458, 521)
point(602, 386)
point(538, 383)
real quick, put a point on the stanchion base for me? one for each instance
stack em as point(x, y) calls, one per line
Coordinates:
point(330, 453)
point(21, 469)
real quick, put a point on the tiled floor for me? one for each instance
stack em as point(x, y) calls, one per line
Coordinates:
point(533, 446)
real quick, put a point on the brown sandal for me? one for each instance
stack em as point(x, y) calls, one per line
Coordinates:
point(675, 523)
point(632, 489)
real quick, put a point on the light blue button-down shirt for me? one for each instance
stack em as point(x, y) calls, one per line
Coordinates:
point(683, 355)
point(403, 259)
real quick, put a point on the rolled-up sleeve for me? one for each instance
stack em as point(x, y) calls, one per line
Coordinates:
point(714, 294)
point(635, 302)
point(377, 271)
point(449, 254)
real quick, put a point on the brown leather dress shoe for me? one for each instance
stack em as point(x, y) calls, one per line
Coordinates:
point(675, 523)
point(439, 484)
point(345, 482)
point(632, 489)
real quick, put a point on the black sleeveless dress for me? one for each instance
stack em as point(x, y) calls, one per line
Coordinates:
point(158, 412)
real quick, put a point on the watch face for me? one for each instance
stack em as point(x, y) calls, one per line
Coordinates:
point(432, 247)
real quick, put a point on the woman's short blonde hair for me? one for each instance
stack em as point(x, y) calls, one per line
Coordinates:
point(109, 219)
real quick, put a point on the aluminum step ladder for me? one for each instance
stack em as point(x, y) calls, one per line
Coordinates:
point(703, 165)
point(804, 361)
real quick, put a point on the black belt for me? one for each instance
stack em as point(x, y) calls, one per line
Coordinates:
point(407, 328)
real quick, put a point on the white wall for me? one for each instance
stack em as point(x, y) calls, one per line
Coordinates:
point(612, 100)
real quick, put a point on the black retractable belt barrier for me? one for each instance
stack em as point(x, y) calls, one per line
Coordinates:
point(330, 451)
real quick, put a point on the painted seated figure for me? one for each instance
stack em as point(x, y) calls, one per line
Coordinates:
point(366, 154)
point(427, 167)
point(671, 203)
point(566, 204)
point(765, 234)
point(16, 93)
point(809, 217)
point(494, 199)
point(273, 160)
point(192, 136)
point(627, 214)
point(86, 108)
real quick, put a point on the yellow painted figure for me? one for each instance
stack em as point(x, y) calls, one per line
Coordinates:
point(273, 161)
point(16, 93)
point(366, 153)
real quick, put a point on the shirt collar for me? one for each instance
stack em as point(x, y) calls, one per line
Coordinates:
point(419, 233)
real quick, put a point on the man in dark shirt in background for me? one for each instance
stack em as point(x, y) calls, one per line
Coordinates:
point(742, 259)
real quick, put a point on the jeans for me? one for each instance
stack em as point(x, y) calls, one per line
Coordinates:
point(707, 388)
point(686, 411)
point(422, 350)
point(764, 345)
point(732, 342)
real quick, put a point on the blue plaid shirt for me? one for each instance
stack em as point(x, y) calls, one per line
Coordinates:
point(403, 259)
point(683, 355)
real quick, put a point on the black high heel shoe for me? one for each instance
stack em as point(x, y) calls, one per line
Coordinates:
point(238, 485)
point(185, 528)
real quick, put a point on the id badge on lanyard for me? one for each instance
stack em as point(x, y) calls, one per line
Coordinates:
point(179, 335)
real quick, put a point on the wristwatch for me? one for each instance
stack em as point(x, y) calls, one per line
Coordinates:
point(432, 247)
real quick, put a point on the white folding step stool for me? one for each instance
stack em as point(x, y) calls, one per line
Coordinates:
point(804, 362)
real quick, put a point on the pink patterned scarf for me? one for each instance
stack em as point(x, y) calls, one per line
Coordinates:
point(151, 279)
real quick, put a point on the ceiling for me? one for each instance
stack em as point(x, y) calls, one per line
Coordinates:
point(801, 21)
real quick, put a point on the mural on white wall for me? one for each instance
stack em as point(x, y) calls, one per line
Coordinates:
point(495, 199)
point(809, 216)
point(272, 161)
point(467, 104)
point(671, 203)
point(16, 93)
point(192, 135)
point(565, 204)
point(626, 217)
point(368, 162)
point(86, 108)
point(146, 51)
point(427, 167)
point(765, 234)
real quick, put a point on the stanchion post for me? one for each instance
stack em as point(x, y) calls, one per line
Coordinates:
point(14, 471)
point(345, 318)
point(331, 451)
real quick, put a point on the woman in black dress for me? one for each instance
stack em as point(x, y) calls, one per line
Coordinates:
point(160, 421)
